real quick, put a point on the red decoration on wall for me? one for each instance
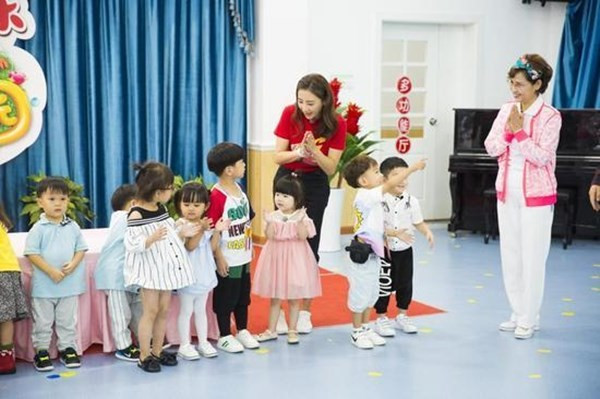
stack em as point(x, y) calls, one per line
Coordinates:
point(403, 105)
point(404, 125)
point(403, 144)
point(404, 85)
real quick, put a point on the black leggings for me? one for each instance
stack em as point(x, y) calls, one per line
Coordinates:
point(396, 274)
point(316, 195)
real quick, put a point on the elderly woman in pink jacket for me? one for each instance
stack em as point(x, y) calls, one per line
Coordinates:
point(524, 138)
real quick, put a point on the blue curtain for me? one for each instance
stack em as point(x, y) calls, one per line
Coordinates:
point(578, 69)
point(130, 81)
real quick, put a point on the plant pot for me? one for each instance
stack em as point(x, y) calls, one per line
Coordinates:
point(332, 222)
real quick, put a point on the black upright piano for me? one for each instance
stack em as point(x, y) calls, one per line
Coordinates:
point(472, 170)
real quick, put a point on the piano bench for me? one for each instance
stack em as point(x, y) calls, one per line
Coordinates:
point(565, 203)
point(489, 211)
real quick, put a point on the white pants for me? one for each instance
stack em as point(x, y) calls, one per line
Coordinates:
point(525, 234)
point(189, 304)
point(125, 310)
point(363, 280)
point(62, 312)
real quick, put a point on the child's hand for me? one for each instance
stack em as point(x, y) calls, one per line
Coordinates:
point(302, 214)
point(222, 224)
point(430, 239)
point(68, 268)
point(190, 229)
point(206, 223)
point(158, 235)
point(56, 275)
point(222, 268)
point(420, 165)
point(404, 235)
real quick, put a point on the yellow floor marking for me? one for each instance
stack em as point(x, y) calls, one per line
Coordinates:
point(544, 350)
point(568, 314)
point(375, 374)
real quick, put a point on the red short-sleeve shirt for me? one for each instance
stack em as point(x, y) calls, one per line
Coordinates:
point(289, 130)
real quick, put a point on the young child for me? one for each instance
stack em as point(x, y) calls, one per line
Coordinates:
point(55, 247)
point(12, 299)
point(287, 268)
point(401, 214)
point(191, 203)
point(124, 306)
point(363, 173)
point(155, 260)
point(233, 257)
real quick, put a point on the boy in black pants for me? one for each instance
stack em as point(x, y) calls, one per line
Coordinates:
point(402, 214)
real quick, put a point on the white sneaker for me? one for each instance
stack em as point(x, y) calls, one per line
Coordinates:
point(383, 326)
point(282, 327)
point(377, 339)
point(188, 352)
point(230, 344)
point(404, 324)
point(304, 324)
point(523, 332)
point(360, 340)
point(246, 339)
point(510, 326)
point(207, 350)
point(266, 335)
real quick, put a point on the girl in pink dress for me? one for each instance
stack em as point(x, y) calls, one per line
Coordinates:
point(287, 268)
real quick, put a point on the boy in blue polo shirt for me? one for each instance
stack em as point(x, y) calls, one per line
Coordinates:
point(55, 247)
point(124, 305)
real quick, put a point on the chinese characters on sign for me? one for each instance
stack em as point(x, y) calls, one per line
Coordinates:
point(404, 86)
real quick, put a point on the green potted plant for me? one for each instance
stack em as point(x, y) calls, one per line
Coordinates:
point(78, 209)
point(356, 145)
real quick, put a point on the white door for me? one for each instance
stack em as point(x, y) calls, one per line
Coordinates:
point(411, 50)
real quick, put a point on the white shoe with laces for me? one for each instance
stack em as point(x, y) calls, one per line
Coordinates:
point(188, 352)
point(304, 324)
point(383, 326)
point(230, 344)
point(377, 339)
point(404, 324)
point(511, 326)
point(246, 339)
point(360, 340)
point(523, 332)
point(282, 327)
point(207, 350)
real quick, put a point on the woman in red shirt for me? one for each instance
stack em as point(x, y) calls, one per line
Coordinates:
point(310, 138)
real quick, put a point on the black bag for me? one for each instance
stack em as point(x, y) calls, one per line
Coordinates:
point(359, 252)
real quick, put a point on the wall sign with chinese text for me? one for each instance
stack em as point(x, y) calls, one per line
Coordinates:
point(403, 144)
point(22, 82)
point(404, 85)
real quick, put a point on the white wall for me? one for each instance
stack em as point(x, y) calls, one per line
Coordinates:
point(339, 38)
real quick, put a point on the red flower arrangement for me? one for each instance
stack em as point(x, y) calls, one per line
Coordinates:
point(355, 145)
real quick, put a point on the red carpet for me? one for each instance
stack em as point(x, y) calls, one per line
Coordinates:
point(329, 309)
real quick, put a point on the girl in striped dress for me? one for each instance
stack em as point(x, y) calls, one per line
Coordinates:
point(156, 260)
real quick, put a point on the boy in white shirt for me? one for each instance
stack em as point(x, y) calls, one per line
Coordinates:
point(401, 215)
point(363, 173)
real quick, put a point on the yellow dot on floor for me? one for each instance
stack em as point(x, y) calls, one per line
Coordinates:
point(425, 330)
point(596, 289)
point(479, 287)
point(423, 262)
point(68, 374)
point(596, 264)
point(544, 350)
point(374, 374)
point(567, 299)
point(261, 351)
point(535, 376)
point(472, 300)
point(595, 277)
point(488, 274)
point(568, 314)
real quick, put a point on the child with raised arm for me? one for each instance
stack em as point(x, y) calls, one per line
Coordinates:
point(55, 247)
point(124, 306)
point(363, 173)
point(401, 215)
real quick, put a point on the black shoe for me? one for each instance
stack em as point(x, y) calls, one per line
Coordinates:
point(167, 358)
point(130, 354)
point(42, 361)
point(70, 358)
point(150, 364)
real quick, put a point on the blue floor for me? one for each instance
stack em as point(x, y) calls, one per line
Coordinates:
point(457, 354)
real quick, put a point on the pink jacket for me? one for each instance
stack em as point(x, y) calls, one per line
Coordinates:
point(539, 150)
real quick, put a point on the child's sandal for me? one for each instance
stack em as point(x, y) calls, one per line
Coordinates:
point(266, 335)
point(292, 337)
